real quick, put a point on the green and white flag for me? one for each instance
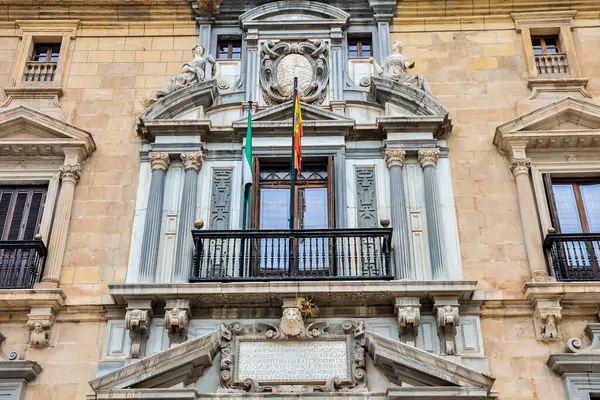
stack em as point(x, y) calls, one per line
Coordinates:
point(247, 167)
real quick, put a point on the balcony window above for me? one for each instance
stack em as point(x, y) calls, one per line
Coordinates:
point(545, 44)
point(228, 49)
point(21, 257)
point(46, 52)
point(359, 48)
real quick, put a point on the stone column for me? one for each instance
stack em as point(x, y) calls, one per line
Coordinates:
point(252, 60)
point(69, 176)
point(529, 220)
point(337, 64)
point(394, 160)
point(428, 158)
point(184, 251)
point(159, 162)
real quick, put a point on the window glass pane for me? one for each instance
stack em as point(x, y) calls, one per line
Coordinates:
point(566, 207)
point(314, 251)
point(591, 203)
point(315, 208)
point(366, 49)
point(274, 208)
point(536, 42)
point(537, 50)
point(551, 41)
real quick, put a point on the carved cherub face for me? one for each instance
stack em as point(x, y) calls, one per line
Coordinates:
point(198, 50)
point(397, 46)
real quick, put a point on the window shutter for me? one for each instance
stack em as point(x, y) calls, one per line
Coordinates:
point(21, 212)
point(5, 198)
point(551, 202)
point(331, 191)
point(34, 217)
point(18, 222)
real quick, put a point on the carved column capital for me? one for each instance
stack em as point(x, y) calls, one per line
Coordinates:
point(409, 319)
point(40, 326)
point(520, 166)
point(394, 157)
point(447, 320)
point(546, 318)
point(70, 173)
point(429, 157)
point(177, 319)
point(159, 160)
point(137, 322)
point(193, 160)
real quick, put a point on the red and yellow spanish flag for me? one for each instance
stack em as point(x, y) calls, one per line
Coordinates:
point(298, 133)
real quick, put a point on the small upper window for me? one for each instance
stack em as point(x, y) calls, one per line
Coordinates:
point(46, 52)
point(545, 44)
point(21, 211)
point(359, 48)
point(229, 49)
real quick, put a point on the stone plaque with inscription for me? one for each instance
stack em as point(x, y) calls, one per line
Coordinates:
point(293, 361)
point(264, 358)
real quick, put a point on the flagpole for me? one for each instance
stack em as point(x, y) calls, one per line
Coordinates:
point(247, 189)
point(293, 166)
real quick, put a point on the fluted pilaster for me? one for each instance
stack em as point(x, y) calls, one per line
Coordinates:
point(159, 163)
point(394, 160)
point(183, 259)
point(428, 158)
point(529, 219)
point(69, 177)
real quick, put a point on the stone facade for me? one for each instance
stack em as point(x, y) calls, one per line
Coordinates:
point(451, 153)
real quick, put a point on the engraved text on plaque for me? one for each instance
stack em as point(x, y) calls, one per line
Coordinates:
point(293, 361)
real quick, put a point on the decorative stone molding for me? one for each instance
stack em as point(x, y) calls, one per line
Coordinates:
point(137, 322)
point(281, 61)
point(447, 319)
point(241, 346)
point(70, 173)
point(193, 160)
point(394, 157)
point(40, 325)
point(546, 318)
point(159, 160)
point(593, 332)
point(429, 157)
point(177, 319)
point(520, 166)
point(409, 319)
point(292, 322)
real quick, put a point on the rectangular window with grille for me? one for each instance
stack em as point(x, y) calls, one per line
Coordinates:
point(21, 211)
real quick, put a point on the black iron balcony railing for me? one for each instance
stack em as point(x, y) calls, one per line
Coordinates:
point(574, 256)
point(292, 254)
point(21, 262)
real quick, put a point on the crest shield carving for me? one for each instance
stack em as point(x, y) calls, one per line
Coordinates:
point(281, 62)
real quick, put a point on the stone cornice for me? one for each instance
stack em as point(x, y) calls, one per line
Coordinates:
point(24, 299)
point(18, 369)
point(332, 293)
point(543, 19)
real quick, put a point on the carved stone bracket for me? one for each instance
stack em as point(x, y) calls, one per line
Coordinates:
point(282, 61)
point(177, 319)
point(546, 318)
point(40, 325)
point(409, 319)
point(448, 319)
point(137, 322)
point(254, 358)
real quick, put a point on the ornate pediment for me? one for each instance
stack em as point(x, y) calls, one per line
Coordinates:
point(568, 123)
point(28, 132)
point(288, 12)
point(273, 358)
point(278, 120)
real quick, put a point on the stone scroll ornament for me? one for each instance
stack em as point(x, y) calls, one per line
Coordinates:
point(281, 62)
point(396, 68)
point(266, 345)
point(191, 72)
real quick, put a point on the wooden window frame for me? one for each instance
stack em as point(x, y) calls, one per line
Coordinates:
point(576, 183)
point(230, 46)
point(325, 183)
point(359, 45)
point(543, 44)
point(49, 51)
point(9, 223)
